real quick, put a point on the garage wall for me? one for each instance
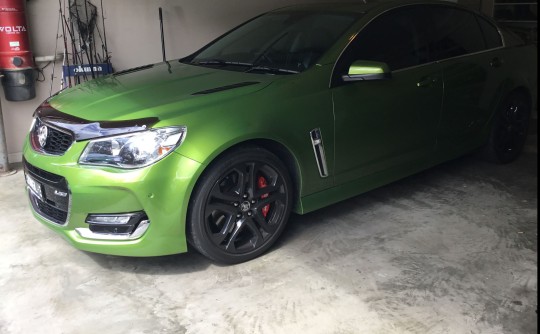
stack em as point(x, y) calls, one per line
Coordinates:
point(133, 39)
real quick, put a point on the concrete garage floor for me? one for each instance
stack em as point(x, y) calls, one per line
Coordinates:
point(450, 250)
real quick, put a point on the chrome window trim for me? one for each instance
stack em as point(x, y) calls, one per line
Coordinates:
point(448, 59)
point(502, 37)
point(481, 16)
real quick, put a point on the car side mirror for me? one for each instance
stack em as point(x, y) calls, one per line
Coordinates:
point(362, 70)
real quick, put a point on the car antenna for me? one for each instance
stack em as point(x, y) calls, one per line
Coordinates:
point(162, 34)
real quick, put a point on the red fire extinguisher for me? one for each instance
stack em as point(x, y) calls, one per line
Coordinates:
point(16, 60)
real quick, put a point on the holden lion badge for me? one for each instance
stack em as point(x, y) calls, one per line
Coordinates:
point(42, 135)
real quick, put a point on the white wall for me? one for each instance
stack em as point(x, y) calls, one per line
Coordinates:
point(133, 38)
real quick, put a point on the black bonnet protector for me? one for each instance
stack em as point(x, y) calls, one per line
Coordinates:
point(82, 129)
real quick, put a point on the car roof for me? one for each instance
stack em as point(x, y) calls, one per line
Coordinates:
point(347, 7)
point(361, 7)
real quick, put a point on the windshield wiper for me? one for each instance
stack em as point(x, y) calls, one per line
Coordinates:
point(220, 62)
point(264, 53)
point(272, 70)
point(252, 67)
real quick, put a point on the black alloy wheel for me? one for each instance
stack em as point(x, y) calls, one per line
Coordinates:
point(240, 206)
point(509, 132)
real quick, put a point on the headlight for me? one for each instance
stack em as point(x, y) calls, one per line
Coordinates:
point(133, 150)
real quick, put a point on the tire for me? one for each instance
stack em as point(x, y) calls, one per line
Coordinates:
point(509, 131)
point(240, 206)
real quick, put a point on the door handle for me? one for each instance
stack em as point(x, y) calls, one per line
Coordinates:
point(496, 62)
point(427, 81)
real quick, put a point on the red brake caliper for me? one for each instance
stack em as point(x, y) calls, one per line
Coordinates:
point(261, 183)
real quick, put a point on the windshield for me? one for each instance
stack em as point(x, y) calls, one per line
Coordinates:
point(275, 43)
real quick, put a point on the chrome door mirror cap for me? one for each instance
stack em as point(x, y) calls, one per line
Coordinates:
point(362, 70)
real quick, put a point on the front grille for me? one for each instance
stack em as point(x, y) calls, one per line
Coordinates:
point(44, 175)
point(50, 212)
point(56, 142)
point(54, 200)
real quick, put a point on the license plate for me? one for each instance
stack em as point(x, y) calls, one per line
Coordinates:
point(34, 186)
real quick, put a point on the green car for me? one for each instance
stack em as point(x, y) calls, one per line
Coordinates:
point(292, 111)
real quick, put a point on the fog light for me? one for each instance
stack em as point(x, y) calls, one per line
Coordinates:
point(108, 220)
point(124, 226)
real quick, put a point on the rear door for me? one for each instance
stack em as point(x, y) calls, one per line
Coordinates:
point(468, 48)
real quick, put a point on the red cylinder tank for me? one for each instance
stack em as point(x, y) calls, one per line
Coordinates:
point(16, 59)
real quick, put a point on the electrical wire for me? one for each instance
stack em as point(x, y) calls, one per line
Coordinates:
point(56, 48)
point(41, 74)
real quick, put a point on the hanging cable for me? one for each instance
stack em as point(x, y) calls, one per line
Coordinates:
point(56, 47)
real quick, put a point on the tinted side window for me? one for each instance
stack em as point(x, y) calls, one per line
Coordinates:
point(455, 32)
point(392, 38)
point(491, 34)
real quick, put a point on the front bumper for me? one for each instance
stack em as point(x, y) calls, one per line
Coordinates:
point(162, 191)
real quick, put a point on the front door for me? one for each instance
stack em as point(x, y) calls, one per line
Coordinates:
point(383, 124)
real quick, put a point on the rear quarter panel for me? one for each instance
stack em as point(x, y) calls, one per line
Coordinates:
point(520, 65)
point(523, 62)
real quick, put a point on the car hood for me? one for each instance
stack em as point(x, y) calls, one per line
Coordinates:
point(155, 91)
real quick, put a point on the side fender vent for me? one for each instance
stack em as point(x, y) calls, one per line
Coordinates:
point(318, 149)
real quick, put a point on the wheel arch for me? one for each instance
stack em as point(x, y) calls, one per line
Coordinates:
point(282, 152)
point(521, 89)
point(208, 172)
point(526, 92)
point(491, 151)
point(288, 159)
